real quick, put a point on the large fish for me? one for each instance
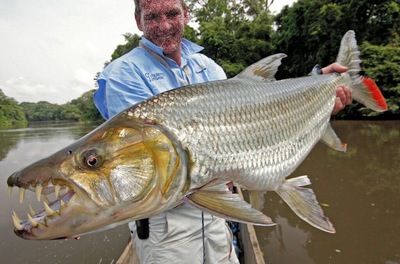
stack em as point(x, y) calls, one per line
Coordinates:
point(179, 146)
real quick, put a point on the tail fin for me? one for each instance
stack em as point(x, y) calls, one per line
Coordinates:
point(364, 90)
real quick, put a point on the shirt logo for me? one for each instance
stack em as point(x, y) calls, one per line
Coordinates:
point(154, 76)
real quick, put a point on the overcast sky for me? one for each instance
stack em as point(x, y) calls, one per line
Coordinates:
point(50, 50)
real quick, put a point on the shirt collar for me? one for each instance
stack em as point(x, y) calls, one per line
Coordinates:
point(188, 47)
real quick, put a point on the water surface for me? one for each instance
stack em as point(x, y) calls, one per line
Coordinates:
point(360, 191)
point(20, 147)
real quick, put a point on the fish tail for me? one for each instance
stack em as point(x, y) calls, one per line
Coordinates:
point(364, 89)
point(304, 203)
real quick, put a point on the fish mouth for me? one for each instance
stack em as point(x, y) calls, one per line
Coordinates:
point(52, 211)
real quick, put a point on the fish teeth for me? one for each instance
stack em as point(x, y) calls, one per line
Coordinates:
point(21, 195)
point(73, 198)
point(38, 191)
point(17, 221)
point(57, 190)
point(48, 210)
point(62, 204)
point(9, 191)
point(31, 211)
point(33, 222)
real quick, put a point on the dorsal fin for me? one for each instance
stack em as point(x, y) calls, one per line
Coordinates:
point(264, 69)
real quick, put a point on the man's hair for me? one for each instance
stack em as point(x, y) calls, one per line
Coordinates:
point(138, 8)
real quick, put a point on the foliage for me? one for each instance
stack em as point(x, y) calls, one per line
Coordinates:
point(234, 33)
point(309, 32)
point(382, 63)
point(132, 41)
point(80, 109)
point(85, 107)
point(41, 111)
point(11, 114)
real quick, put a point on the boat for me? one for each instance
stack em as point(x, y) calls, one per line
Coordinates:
point(248, 242)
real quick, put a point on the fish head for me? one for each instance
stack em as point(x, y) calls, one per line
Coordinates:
point(116, 173)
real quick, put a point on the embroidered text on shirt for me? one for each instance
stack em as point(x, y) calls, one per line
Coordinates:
point(154, 76)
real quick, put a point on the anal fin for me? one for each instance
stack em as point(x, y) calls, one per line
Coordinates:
point(304, 203)
point(229, 206)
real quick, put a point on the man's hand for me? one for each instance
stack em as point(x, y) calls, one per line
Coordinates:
point(343, 93)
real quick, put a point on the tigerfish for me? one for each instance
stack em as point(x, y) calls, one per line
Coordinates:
point(179, 146)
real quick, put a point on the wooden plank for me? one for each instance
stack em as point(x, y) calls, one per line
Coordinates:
point(128, 256)
point(252, 253)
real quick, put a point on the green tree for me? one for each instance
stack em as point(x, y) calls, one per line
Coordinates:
point(132, 41)
point(257, 7)
point(42, 111)
point(79, 109)
point(309, 32)
point(234, 33)
point(70, 112)
point(382, 63)
point(85, 107)
point(11, 114)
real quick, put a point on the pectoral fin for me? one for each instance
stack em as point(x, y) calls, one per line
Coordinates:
point(332, 140)
point(229, 206)
point(304, 203)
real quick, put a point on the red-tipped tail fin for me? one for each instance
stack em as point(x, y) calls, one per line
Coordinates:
point(367, 92)
point(364, 90)
point(375, 94)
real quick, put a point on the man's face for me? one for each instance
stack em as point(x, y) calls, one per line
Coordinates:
point(163, 22)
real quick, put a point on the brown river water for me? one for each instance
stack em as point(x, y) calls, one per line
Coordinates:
point(359, 191)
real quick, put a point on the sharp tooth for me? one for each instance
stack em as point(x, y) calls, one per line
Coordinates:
point(44, 224)
point(33, 222)
point(38, 190)
point(17, 221)
point(62, 204)
point(21, 195)
point(73, 198)
point(31, 211)
point(48, 210)
point(57, 190)
point(9, 191)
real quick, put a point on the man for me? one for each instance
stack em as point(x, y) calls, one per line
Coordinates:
point(165, 61)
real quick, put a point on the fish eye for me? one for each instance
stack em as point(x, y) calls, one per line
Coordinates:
point(91, 159)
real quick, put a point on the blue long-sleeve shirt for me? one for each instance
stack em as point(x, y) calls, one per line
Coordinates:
point(145, 72)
